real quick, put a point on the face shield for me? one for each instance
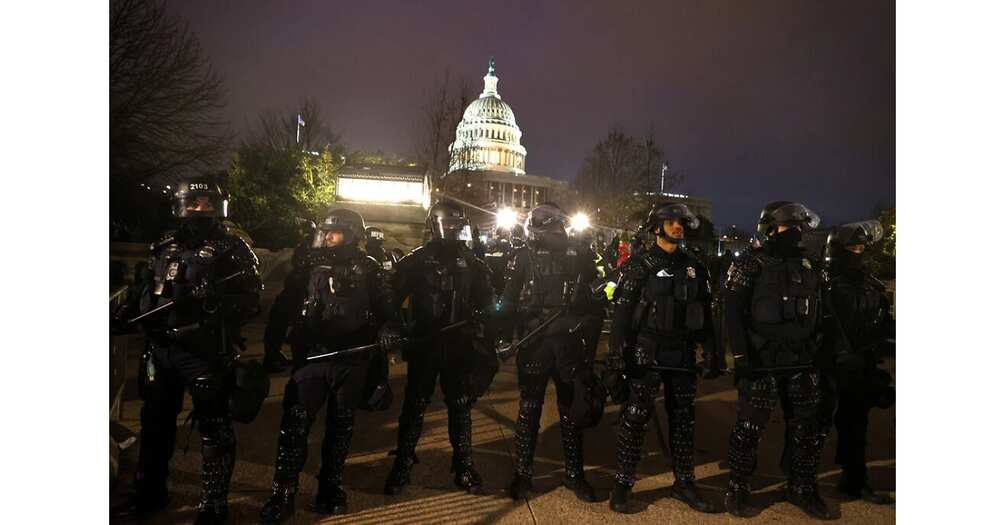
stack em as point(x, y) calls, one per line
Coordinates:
point(451, 229)
point(329, 237)
point(791, 214)
point(864, 233)
point(200, 204)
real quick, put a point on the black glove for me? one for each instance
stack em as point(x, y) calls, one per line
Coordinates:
point(390, 339)
point(505, 350)
point(616, 384)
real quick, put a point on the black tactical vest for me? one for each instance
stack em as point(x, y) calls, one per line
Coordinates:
point(859, 308)
point(551, 280)
point(785, 307)
point(177, 270)
point(671, 296)
point(443, 291)
point(338, 299)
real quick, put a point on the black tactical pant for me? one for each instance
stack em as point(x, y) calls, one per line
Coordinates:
point(207, 380)
point(854, 401)
point(338, 383)
point(554, 357)
point(447, 360)
point(800, 395)
point(679, 393)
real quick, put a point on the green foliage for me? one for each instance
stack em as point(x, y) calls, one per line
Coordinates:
point(881, 258)
point(273, 188)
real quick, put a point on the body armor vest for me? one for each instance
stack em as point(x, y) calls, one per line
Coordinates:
point(338, 301)
point(671, 297)
point(552, 279)
point(177, 270)
point(859, 308)
point(785, 305)
point(443, 292)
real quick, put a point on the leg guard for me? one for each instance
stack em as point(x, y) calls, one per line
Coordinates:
point(633, 422)
point(291, 457)
point(806, 442)
point(572, 441)
point(218, 453)
point(411, 424)
point(680, 412)
point(460, 435)
point(331, 498)
point(526, 434)
point(336, 444)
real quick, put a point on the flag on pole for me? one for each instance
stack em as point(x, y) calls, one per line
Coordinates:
point(301, 122)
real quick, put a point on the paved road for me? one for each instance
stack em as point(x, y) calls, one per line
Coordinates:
point(431, 498)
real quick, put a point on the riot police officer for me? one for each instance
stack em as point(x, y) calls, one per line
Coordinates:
point(348, 304)
point(662, 312)
point(211, 277)
point(861, 320)
point(374, 247)
point(555, 280)
point(451, 341)
point(773, 310)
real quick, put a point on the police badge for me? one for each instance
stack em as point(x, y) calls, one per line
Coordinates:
point(806, 264)
point(691, 272)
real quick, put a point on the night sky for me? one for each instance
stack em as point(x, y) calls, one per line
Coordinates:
point(752, 101)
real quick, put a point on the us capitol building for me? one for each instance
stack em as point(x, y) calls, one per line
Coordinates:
point(486, 171)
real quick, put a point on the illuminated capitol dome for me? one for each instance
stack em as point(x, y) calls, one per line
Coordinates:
point(488, 138)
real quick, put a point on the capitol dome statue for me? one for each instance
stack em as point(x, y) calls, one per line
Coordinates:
point(487, 138)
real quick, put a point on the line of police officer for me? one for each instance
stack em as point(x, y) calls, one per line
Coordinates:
point(798, 334)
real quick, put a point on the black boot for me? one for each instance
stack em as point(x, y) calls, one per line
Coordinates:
point(738, 500)
point(809, 500)
point(619, 498)
point(520, 487)
point(291, 457)
point(218, 451)
point(572, 441)
point(331, 498)
point(148, 499)
point(864, 492)
point(525, 437)
point(411, 423)
point(687, 491)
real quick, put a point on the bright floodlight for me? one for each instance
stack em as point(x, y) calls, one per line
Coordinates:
point(579, 222)
point(506, 218)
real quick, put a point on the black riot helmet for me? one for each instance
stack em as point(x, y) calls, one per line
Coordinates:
point(864, 232)
point(784, 213)
point(374, 235)
point(200, 198)
point(546, 222)
point(665, 211)
point(348, 222)
point(447, 221)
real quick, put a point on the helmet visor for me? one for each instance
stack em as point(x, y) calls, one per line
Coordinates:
point(795, 214)
point(676, 211)
point(864, 232)
point(452, 229)
point(201, 204)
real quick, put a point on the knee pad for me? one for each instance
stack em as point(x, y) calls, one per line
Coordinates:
point(636, 414)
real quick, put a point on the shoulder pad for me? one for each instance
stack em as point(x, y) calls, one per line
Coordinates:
point(241, 251)
point(876, 282)
point(741, 272)
point(636, 268)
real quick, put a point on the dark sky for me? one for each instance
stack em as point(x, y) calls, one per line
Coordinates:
point(752, 101)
